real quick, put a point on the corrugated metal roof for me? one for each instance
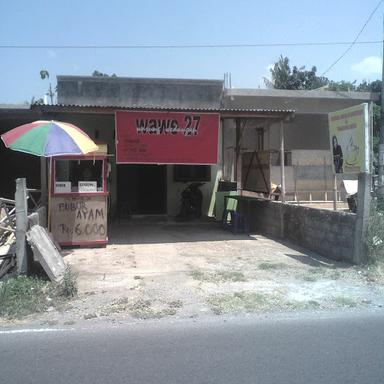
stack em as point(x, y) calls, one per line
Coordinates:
point(297, 94)
point(162, 108)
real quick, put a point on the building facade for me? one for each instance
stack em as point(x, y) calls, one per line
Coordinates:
point(248, 121)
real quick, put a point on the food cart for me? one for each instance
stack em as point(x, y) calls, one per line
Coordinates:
point(79, 198)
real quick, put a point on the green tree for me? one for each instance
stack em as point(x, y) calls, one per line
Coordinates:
point(346, 86)
point(364, 86)
point(44, 74)
point(285, 77)
point(97, 73)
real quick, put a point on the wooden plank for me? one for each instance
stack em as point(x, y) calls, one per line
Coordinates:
point(6, 265)
point(256, 174)
point(7, 201)
point(45, 251)
point(7, 229)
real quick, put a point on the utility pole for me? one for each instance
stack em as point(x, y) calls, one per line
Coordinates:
point(380, 189)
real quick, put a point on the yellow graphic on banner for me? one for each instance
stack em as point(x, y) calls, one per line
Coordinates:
point(347, 131)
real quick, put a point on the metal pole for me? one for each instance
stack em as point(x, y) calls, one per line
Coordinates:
point(237, 150)
point(43, 181)
point(49, 193)
point(282, 161)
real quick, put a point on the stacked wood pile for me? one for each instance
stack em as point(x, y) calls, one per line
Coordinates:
point(7, 236)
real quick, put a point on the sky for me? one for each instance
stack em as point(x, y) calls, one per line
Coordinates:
point(171, 22)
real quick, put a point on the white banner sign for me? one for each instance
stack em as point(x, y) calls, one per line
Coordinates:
point(87, 186)
point(62, 187)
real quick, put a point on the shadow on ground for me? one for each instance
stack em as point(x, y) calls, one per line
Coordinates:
point(163, 230)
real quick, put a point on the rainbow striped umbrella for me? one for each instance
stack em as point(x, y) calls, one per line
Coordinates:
point(49, 138)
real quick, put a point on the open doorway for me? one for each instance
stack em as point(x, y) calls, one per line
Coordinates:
point(141, 189)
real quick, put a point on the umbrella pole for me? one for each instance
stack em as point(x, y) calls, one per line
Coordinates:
point(49, 193)
point(43, 181)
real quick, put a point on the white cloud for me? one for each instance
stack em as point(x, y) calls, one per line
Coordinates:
point(368, 66)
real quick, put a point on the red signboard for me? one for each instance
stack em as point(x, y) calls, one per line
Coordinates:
point(166, 137)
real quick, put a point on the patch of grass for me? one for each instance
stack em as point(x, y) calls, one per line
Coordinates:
point(218, 277)
point(312, 304)
point(314, 274)
point(250, 302)
point(272, 266)
point(335, 275)
point(198, 275)
point(375, 272)
point(117, 306)
point(21, 296)
point(50, 322)
point(345, 301)
point(237, 302)
point(375, 233)
point(142, 309)
point(166, 312)
point(175, 304)
point(24, 295)
point(89, 316)
point(308, 277)
point(230, 276)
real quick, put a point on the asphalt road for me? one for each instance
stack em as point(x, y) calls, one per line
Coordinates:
point(346, 348)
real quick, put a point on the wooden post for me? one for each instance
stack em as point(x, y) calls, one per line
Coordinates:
point(237, 150)
point(282, 161)
point(222, 160)
point(21, 226)
point(360, 255)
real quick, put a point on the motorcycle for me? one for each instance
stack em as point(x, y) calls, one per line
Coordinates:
point(352, 202)
point(191, 202)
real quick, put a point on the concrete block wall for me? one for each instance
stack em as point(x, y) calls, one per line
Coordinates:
point(329, 233)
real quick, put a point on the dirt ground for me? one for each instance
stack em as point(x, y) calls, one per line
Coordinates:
point(158, 268)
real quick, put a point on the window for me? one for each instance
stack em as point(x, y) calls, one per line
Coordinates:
point(74, 171)
point(192, 173)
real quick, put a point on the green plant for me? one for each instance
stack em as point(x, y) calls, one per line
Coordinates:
point(345, 301)
point(23, 295)
point(268, 266)
point(375, 234)
point(68, 286)
point(250, 302)
point(218, 276)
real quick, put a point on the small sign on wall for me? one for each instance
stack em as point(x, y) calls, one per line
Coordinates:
point(87, 186)
point(62, 187)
